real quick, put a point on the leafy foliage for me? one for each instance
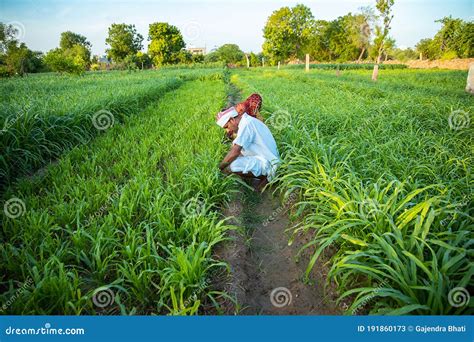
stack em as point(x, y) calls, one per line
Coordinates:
point(288, 33)
point(454, 39)
point(124, 40)
point(166, 44)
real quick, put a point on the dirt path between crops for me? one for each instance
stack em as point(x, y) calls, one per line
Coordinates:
point(265, 278)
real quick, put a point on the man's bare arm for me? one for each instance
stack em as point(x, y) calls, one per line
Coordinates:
point(231, 156)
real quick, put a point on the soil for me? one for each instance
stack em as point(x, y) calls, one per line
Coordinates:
point(453, 64)
point(266, 278)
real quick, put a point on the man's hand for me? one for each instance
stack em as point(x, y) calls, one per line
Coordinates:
point(231, 156)
point(223, 165)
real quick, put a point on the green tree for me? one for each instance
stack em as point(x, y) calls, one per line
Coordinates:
point(143, 60)
point(7, 37)
point(389, 47)
point(211, 57)
point(288, 33)
point(75, 43)
point(21, 60)
point(68, 39)
point(230, 53)
point(254, 60)
point(427, 48)
point(382, 31)
point(360, 29)
point(404, 54)
point(344, 38)
point(166, 43)
point(60, 61)
point(15, 57)
point(72, 56)
point(319, 47)
point(198, 58)
point(456, 37)
point(124, 40)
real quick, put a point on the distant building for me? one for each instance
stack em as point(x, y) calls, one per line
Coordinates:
point(104, 59)
point(197, 50)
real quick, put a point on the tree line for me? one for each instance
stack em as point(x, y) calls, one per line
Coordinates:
point(289, 34)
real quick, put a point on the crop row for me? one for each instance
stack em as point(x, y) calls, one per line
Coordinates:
point(125, 223)
point(43, 116)
point(346, 66)
point(383, 174)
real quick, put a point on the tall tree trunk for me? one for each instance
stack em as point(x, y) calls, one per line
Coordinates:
point(361, 55)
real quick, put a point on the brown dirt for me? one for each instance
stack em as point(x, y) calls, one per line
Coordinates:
point(453, 64)
point(261, 261)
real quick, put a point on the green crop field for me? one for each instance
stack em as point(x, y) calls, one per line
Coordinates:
point(382, 172)
point(41, 116)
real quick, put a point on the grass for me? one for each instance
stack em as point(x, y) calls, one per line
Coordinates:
point(346, 66)
point(134, 212)
point(45, 115)
point(381, 176)
point(130, 215)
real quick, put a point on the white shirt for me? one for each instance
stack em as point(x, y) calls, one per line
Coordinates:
point(256, 140)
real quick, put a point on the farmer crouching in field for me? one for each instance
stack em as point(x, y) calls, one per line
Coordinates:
point(251, 106)
point(254, 152)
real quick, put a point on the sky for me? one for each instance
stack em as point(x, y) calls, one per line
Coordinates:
point(206, 23)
